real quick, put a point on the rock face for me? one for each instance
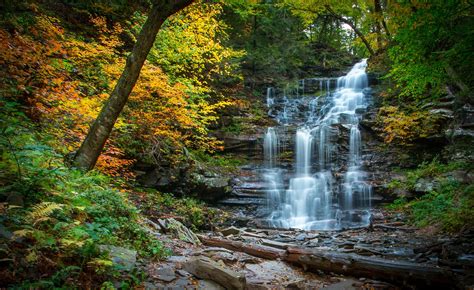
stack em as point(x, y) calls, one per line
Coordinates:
point(190, 180)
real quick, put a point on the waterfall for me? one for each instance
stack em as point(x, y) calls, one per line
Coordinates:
point(314, 198)
point(270, 95)
point(354, 146)
point(303, 151)
point(270, 147)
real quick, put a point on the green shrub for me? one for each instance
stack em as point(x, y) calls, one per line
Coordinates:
point(60, 214)
point(450, 205)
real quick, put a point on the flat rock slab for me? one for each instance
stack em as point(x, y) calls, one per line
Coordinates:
point(281, 274)
point(205, 268)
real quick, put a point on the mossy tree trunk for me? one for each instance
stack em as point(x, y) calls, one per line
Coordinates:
point(90, 150)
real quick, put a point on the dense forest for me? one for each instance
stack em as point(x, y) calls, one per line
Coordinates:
point(238, 144)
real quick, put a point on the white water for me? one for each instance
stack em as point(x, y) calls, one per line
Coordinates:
point(314, 198)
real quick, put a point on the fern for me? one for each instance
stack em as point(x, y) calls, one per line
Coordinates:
point(42, 211)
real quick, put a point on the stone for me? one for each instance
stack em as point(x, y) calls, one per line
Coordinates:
point(122, 257)
point(423, 185)
point(230, 231)
point(205, 268)
point(209, 285)
point(301, 237)
point(165, 273)
point(210, 188)
point(181, 232)
point(445, 113)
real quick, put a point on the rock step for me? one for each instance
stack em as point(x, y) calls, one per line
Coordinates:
point(248, 195)
point(243, 201)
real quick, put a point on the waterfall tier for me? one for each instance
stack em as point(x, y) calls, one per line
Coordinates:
point(315, 196)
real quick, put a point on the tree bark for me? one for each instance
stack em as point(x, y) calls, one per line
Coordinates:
point(87, 155)
point(397, 272)
point(356, 30)
point(255, 250)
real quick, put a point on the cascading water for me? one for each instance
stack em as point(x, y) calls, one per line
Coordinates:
point(316, 197)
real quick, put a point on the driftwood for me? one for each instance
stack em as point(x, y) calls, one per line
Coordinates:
point(255, 250)
point(393, 228)
point(397, 272)
point(205, 268)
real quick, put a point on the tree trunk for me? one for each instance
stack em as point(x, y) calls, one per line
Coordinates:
point(356, 30)
point(265, 252)
point(397, 272)
point(89, 152)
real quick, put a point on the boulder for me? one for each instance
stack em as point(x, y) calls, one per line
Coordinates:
point(210, 187)
point(121, 257)
point(181, 232)
point(424, 185)
point(205, 268)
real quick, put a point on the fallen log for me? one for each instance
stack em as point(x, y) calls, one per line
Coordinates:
point(393, 228)
point(398, 272)
point(255, 250)
point(393, 271)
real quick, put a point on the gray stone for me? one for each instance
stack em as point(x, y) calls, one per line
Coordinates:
point(230, 231)
point(181, 232)
point(122, 257)
point(205, 268)
point(445, 113)
point(423, 185)
point(209, 285)
point(165, 273)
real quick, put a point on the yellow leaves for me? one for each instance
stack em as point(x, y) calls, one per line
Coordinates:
point(405, 128)
point(109, 37)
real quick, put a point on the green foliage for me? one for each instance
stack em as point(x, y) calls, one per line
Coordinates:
point(193, 213)
point(431, 38)
point(227, 162)
point(191, 48)
point(448, 205)
point(61, 214)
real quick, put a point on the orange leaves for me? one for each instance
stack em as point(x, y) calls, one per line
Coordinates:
point(108, 37)
point(65, 78)
point(114, 163)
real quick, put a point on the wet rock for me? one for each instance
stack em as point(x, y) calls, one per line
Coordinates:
point(183, 273)
point(121, 257)
point(445, 113)
point(276, 244)
point(177, 259)
point(301, 237)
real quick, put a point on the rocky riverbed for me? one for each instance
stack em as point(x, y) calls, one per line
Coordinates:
point(196, 263)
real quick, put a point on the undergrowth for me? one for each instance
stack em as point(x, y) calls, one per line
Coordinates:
point(53, 218)
point(448, 205)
